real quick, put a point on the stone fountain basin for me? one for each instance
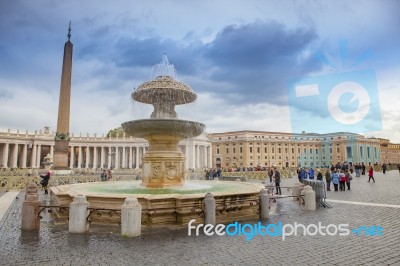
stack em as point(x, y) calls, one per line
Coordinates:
point(166, 206)
point(169, 127)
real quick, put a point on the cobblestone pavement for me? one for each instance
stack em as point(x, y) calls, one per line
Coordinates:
point(53, 245)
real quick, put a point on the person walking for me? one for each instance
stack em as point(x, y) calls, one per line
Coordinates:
point(270, 174)
point(335, 179)
point(371, 174)
point(348, 179)
point(311, 173)
point(45, 181)
point(109, 175)
point(277, 177)
point(342, 181)
point(328, 180)
point(363, 169)
point(319, 176)
point(384, 168)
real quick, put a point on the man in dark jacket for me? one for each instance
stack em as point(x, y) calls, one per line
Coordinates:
point(277, 177)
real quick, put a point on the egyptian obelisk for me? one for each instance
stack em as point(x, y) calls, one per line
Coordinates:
point(62, 134)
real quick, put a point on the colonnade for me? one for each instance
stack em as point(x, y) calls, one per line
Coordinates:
point(28, 154)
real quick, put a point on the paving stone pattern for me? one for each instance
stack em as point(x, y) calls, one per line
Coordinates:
point(53, 245)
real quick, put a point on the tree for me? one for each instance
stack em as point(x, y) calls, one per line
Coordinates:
point(116, 133)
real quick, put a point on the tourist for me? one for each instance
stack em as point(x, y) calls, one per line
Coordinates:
point(398, 167)
point(357, 169)
point(363, 169)
point(384, 168)
point(103, 176)
point(109, 175)
point(335, 179)
point(371, 174)
point(45, 181)
point(303, 174)
point(342, 181)
point(319, 176)
point(277, 177)
point(348, 179)
point(270, 174)
point(328, 180)
point(311, 173)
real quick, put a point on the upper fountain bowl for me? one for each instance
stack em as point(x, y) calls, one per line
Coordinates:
point(164, 89)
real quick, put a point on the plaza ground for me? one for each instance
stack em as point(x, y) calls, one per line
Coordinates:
point(104, 245)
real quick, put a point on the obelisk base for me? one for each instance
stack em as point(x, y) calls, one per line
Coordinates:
point(61, 151)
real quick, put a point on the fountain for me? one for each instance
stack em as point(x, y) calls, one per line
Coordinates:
point(165, 196)
point(164, 164)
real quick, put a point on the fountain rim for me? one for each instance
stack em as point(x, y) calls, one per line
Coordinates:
point(252, 188)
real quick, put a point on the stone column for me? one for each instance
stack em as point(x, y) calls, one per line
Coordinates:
point(102, 157)
point(72, 159)
point(109, 158)
point(39, 152)
point(24, 155)
point(30, 209)
point(209, 157)
point(123, 157)
point(79, 156)
point(5, 155)
point(130, 158)
point(87, 159)
point(33, 156)
point(15, 156)
point(117, 157)
point(95, 157)
point(209, 209)
point(137, 158)
point(78, 212)
point(264, 204)
point(52, 151)
point(131, 217)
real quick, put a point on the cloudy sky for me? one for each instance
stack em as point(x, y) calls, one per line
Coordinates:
point(244, 59)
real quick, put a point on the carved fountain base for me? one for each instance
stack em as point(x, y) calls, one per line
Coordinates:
point(164, 163)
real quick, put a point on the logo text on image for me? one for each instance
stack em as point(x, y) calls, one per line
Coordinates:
point(249, 231)
point(336, 102)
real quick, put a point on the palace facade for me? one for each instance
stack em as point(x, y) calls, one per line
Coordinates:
point(262, 149)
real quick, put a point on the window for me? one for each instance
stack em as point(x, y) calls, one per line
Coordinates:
point(337, 149)
point(310, 151)
point(273, 150)
point(265, 150)
point(234, 150)
point(292, 150)
point(258, 149)
point(227, 150)
point(217, 150)
point(251, 149)
point(279, 150)
point(240, 149)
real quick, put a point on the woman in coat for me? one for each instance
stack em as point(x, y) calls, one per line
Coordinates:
point(335, 179)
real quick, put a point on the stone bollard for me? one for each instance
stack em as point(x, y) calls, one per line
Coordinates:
point(131, 217)
point(78, 212)
point(296, 191)
point(264, 204)
point(309, 199)
point(301, 189)
point(209, 209)
point(30, 209)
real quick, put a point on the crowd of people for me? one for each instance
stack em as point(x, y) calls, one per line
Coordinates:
point(339, 175)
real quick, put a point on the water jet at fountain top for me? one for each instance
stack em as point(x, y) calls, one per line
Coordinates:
point(163, 164)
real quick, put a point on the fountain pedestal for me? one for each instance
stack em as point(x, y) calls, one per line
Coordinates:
point(163, 163)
